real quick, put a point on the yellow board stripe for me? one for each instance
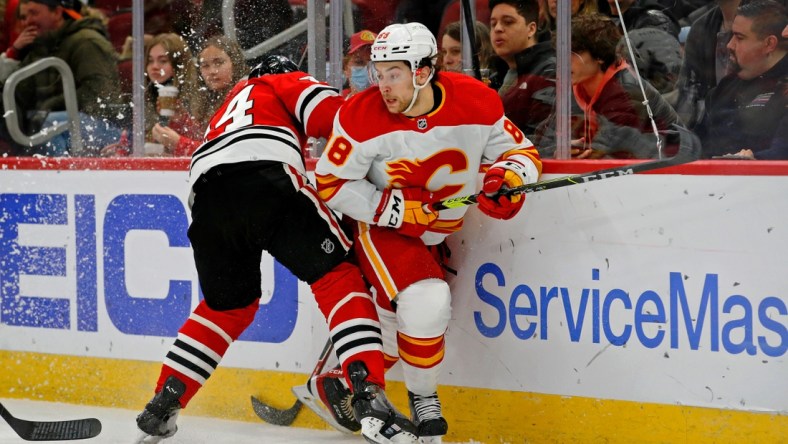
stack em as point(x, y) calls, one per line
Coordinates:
point(481, 415)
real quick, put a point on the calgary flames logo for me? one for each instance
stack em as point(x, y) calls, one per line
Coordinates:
point(433, 173)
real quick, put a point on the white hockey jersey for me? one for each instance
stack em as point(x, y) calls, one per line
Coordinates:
point(372, 149)
point(267, 118)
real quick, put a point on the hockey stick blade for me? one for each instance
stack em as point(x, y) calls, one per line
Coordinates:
point(689, 150)
point(286, 417)
point(303, 395)
point(272, 415)
point(52, 430)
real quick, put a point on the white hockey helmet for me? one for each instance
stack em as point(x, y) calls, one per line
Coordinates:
point(409, 42)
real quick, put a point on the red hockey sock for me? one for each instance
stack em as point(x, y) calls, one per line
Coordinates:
point(201, 343)
point(353, 324)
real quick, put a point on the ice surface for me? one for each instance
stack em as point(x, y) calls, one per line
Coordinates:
point(118, 427)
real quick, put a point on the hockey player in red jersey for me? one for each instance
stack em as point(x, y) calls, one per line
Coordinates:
point(250, 194)
point(420, 136)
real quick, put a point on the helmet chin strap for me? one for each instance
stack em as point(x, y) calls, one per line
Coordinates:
point(417, 88)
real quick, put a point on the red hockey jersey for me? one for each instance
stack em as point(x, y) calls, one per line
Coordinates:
point(372, 149)
point(267, 118)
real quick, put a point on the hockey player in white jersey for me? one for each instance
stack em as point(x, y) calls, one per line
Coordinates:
point(421, 136)
point(251, 194)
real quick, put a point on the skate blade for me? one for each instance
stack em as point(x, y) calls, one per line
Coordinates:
point(314, 404)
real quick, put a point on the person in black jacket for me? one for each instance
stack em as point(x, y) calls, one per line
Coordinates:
point(59, 30)
point(706, 60)
point(746, 115)
point(524, 68)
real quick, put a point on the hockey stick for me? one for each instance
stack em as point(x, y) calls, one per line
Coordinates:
point(689, 150)
point(52, 430)
point(285, 417)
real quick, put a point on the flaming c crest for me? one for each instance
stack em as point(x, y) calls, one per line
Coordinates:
point(420, 172)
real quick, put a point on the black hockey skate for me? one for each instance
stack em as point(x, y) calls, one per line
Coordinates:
point(427, 416)
point(380, 422)
point(158, 419)
point(330, 388)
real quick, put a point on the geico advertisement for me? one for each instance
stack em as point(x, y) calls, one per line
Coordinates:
point(663, 289)
point(99, 264)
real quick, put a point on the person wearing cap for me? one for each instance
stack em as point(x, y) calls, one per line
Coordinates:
point(53, 28)
point(356, 62)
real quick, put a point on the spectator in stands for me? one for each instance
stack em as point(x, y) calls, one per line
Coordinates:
point(222, 65)
point(525, 69)
point(451, 47)
point(639, 14)
point(746, 112)
point(59, 30)
point(706, 60)
point(126, 64)
point(356, 62)
point(168, 63)
point(613, 122)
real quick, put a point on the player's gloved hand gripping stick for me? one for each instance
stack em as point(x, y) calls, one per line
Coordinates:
point(689, 150)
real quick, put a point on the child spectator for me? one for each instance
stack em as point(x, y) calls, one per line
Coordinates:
point(222, 65)
point(169, 63)
point(451, 47)
point(612, 122)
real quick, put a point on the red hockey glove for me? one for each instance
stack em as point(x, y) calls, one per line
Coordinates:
point(506, 174)
point(403, 209)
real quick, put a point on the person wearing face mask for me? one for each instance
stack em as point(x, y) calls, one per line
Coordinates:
point(356, 62)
